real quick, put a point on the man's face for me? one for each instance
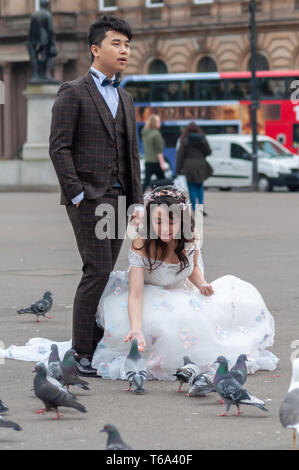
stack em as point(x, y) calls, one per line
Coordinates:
point(113, 54)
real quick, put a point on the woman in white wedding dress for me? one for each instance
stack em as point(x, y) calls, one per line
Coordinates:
point(165, 302)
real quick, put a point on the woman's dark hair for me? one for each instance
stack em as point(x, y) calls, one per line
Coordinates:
point(163, 195)
point(192, 128)
point(98, 29)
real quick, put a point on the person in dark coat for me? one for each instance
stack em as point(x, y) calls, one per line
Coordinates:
point(191, 161)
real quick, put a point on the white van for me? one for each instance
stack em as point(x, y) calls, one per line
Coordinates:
point(232, 165)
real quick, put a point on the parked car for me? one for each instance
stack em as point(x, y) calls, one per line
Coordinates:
point(232, 163)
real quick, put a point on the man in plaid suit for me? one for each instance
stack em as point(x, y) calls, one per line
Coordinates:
point(94, 150)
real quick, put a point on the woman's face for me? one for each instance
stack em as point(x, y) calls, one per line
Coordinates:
point(165, 224)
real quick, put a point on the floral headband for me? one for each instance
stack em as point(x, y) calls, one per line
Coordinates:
point(176, 193)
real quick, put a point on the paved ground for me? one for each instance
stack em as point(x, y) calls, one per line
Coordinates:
point(254, 236)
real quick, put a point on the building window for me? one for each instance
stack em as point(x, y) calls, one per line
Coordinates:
point(107, 5)
point(261, 63)
point(157, 66)
point(154, 3)
point(206, 64)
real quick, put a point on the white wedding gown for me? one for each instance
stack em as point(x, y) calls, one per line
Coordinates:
point(177, 321)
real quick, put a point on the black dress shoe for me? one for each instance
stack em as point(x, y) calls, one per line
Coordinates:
point(84, 368)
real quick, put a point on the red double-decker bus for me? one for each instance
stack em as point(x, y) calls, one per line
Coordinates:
point(219, 103)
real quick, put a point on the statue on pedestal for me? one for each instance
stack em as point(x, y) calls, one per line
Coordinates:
point(41, 44)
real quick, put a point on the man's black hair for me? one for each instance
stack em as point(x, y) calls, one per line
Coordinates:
point(98, 29)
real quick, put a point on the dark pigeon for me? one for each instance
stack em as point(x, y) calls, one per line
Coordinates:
point(69, 374)
point(232, 392)
point(114, 441)
point(239, 370)
point(289, 408)
point(184, 373)
point(40, 308)
point(3, 408)
point(200, 385)
point(5, 423)
point(54, 364)
point(135, 369)
point(52, 396)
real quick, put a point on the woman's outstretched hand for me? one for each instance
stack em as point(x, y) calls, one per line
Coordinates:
point(137, 335)
point(206, 289)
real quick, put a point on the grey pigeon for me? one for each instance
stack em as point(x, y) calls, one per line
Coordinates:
point(54, 364)
point(289, 408)
point(239, 370)
point(5, 423)
point(114, 441)
point(200, 385)
point(184, 373)
point(69, 374)
point(135, 369)
point(52, 396)
point(3, 408)
point(232, 392)
point(39, 308)
point(59, 385)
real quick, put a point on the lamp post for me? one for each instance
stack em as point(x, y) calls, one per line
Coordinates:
point(254, 96)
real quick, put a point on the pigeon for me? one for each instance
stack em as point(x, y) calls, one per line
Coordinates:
point(54, 364)
point(40, 307)
point(200, 385)
point(69, 375)
point(3, 408)
point(114, 441)
point(239, 370)
point(232, 392)
point(135, 369)
point(52, 396)
point(5, 423)
point(185, 372)
point(289, 408)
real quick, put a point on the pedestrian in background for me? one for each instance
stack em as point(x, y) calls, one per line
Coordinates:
point(191, 161)
point(153, 145)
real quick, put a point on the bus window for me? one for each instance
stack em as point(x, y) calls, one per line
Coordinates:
point(273, 88)
point(139, 90)
point(165, 91)
point(210, 90)
point(188, 90)
point(272, 112)
point(238, 89)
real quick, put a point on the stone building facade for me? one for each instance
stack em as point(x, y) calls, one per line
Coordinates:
point(169, 36)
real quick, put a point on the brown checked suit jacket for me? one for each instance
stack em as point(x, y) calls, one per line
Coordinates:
point(82, 143)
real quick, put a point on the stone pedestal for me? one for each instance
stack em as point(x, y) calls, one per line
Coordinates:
point(40, 99)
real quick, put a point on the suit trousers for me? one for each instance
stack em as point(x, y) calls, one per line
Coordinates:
point(99, 257)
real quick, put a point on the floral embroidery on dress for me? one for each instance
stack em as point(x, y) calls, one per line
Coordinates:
point(155, 360)
point(187, 338)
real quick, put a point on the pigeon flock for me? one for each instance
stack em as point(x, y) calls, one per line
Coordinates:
point(52, 382)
